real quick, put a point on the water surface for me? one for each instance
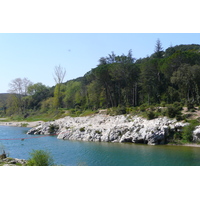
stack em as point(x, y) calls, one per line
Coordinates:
point(75, 153)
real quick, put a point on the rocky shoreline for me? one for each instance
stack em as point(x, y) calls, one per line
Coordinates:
point(104, 128)
point(12, 162)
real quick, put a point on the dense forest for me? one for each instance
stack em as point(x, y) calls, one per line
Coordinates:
point(118, 81)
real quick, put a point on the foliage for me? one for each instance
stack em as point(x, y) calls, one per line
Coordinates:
point(47, 104)
point(173, 110)
point(187, 134)
point(40, 158)
point(190, 106)
point(150, 115)
point(120, 110)
point(118, 84)
point(24, 124)
point(38, 93)
point(183, 136)
point(53, 128)
point(82, 129)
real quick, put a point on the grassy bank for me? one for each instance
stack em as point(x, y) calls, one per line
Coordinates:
point(51, 115)
point(176, 110)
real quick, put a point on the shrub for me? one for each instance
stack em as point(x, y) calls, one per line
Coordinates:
point(40, 158)
point(150, 115)
point(192, 110)
point(24, 124)
point(120, 110)
point(190, 106)
point(53, 128)
point(82, 129)
point(98, 132)
point(177, 104)
point(163, 104)
point(173, 111)
point(179, 117)
point(187, 134)
point(142, 108)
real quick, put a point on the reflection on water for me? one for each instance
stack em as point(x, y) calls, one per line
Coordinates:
point(81, 153)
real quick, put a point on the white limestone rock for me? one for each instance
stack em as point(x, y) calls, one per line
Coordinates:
point(104, 128)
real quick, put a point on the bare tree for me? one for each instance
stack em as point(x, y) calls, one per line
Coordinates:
point(18, 89)
point(16, 86)
point(59, 75)
point(19, 86)
point(26, 84)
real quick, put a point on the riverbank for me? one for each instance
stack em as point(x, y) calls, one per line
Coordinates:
point(187, 145)
point(106, 128)
point(21, 124)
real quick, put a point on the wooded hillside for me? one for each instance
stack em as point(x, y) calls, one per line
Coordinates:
point(165, 77)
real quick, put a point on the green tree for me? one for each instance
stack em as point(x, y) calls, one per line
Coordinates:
point(158, 53)
point(37, 93)
point(150, 81)
point(72, 94)
point(47, 104)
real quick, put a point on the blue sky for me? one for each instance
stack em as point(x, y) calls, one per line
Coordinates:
point(34, 55)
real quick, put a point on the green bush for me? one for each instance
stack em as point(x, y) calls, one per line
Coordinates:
point(82, 129)
point(163, 104)
point(53, 128)
point(192, 110)
point(187, 134)
point(143, 108)
point(190, 105)
point(173, 111)
point(177, 104)
point(121, 110)
point(150, 115)
point(40, 158)
point(179, 117)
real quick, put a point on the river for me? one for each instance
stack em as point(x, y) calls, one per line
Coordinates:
point(73, 153)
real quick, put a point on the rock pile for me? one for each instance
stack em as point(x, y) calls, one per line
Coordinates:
point(104, 128)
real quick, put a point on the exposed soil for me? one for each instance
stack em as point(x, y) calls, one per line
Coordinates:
point(21, 124)
point(191, 115)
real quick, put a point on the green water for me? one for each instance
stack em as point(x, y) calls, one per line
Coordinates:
point(75, 153)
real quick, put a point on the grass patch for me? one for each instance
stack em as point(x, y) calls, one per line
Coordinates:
point(24, 124)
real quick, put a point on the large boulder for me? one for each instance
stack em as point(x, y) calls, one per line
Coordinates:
point(196, 134)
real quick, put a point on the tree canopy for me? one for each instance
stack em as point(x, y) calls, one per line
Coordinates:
point(118, 80)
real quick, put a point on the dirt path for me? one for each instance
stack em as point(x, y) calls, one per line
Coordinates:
point(191, 115)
